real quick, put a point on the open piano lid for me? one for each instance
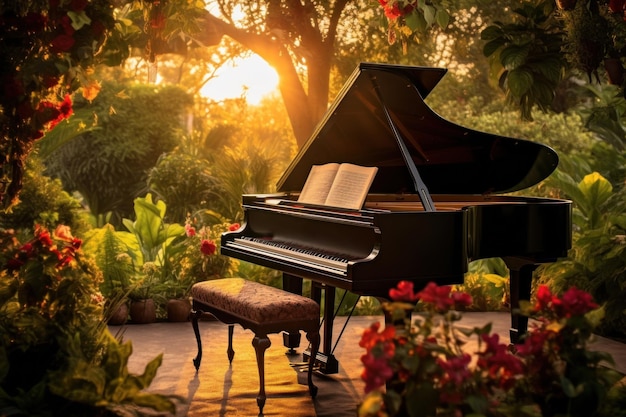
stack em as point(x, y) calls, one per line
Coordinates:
point(450, 159)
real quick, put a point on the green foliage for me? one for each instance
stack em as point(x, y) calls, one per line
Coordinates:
point(109, 252)
point(597, 261)
point(183, 179)
point(487, 282)
point(152, 244)
point(525, 56)
point(57, 357)
point(566, 133)
point(108, 166)
point(43, 202)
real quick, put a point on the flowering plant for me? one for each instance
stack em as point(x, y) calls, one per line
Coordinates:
point(57, 356)
point(47, 51)
point(430, 369)
point(406, 17)
point(201, 259)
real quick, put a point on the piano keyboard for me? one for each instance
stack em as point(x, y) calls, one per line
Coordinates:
point(332, 262)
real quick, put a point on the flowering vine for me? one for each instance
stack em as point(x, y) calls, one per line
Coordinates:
point(48, 50)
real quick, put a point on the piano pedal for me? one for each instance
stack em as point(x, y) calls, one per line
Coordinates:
point(327, 364)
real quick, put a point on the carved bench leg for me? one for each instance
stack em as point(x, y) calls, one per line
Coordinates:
point(261, 343)
point(195, 315)
point(314, 339)
point(230, 351)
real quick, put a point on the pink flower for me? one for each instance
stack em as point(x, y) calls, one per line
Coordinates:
point(190, 231)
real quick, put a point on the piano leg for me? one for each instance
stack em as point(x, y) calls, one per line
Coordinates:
point(521, 277)
point(325, 361)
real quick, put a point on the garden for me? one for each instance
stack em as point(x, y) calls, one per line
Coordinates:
point(116, 189)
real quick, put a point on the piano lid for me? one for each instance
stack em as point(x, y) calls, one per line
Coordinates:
point(450, 159)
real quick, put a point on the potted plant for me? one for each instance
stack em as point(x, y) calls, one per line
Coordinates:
point(153, 246)
point(143, 295)
point(117, 267)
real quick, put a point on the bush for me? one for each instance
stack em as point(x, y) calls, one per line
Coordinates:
point(108, 164)
point(43, 201)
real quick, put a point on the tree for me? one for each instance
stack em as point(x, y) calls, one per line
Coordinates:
point(289, 35)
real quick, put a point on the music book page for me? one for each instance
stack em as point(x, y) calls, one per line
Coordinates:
point(338, 185)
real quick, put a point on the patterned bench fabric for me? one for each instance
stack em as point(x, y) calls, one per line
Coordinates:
point(257, 302)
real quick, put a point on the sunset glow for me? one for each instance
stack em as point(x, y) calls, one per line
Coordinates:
point(250, 77)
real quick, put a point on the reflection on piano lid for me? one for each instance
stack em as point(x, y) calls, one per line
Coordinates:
point(449, 158)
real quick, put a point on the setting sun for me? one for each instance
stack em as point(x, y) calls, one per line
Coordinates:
point(250, 77)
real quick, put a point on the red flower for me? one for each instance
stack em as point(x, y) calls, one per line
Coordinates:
point(461, 299)
point(576, 302)
point(456, 369)
point(371, 337)
point(62, 43)
point(438, 296)
point(233, 227)
point(66, 24)
point(403, 292)
point(377, 371)
point(43, 236)
point(208, 247)
point(78, 5)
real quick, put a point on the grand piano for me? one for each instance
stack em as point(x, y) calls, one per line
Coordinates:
point(435, 205)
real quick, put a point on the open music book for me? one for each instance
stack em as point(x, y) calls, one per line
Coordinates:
point(338, 185)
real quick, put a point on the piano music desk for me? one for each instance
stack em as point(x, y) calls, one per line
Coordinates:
point(260, 308)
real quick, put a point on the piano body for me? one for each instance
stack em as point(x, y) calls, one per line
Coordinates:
point(435, 204)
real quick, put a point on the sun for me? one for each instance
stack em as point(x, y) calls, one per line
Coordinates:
point(251, 77)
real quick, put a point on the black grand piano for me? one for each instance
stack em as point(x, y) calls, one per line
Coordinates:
point(434, 206)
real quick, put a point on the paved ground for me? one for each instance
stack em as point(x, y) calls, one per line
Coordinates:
point(223, 390)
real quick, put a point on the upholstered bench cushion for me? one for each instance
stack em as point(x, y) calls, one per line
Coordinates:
point(254, 301)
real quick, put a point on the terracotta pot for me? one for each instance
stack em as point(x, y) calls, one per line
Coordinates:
point(178, 310)
point(615, 70)
point(119, 316)
point(143, 311)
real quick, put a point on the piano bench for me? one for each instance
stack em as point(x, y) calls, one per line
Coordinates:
point(260, 308)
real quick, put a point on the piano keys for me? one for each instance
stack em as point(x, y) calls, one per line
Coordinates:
point(441, 198)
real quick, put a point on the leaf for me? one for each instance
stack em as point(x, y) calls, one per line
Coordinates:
point(443, 18)
point(492, 46)
point(492, 33)
point(514, 56)
point(519, 82)
point(429, 14)
point(596, 189)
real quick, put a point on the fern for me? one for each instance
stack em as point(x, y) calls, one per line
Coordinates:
point(108, 249)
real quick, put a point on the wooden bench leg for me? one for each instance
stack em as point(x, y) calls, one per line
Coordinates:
point(195, 315)
point(261, 343)
point(314, 339)
point(230, 351)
